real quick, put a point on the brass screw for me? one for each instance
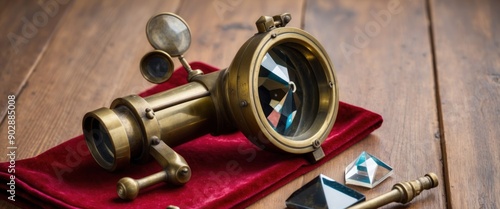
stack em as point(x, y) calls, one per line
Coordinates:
point(185, 171)
point(316, 144)
point(149, 113)
point(243, 103)
point(155, 140)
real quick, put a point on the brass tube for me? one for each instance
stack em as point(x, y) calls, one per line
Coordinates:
point(177, 96)
point(186, 121)
point(152, 179)
point(122, 132)
point(133, 131)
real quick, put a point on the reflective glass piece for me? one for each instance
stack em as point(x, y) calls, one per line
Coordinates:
point(169, 33)
point(367, 171)
point(285, 82)
point(157, 66)
point(324, 192)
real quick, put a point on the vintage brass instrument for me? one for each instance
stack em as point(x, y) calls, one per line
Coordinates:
point(280, 91)
point(402, 192)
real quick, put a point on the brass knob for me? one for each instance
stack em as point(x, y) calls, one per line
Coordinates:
point(402, 192)
point(128, 188)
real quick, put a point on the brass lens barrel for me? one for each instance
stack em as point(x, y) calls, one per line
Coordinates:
point(122, 133)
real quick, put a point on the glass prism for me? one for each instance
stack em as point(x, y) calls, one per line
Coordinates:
point(323, 193)
point(367, 171)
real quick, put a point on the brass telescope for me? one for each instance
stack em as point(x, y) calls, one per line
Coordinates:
point(280, 91)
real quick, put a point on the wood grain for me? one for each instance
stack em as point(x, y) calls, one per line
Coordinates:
point(92, 59)
point(220, 27)
point(467, 46)
point(26, 30)
point(382, 53)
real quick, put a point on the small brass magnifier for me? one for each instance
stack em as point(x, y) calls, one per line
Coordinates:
point(170, 35)
point(280, 91)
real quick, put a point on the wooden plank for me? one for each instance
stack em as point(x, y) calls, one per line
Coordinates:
point(467, 46)
point(26, 27)
point(382, 54)
point(220, 27)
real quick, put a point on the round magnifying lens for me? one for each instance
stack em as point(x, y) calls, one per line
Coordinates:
point(157, 66)
point(282, 91)
point(170, 33)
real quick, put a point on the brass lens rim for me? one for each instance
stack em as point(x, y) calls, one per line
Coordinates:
point(162, 40)
point(149, 126)
point(115, 133)
point(144, 66)
point(243, 97)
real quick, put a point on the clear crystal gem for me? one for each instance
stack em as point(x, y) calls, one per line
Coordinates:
point(323, 192)
point(277, 91)
point(367, 171)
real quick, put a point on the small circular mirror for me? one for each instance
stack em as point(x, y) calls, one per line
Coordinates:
point(157, 66)
point(170, 33)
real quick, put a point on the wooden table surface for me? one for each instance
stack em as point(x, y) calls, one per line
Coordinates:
point(430, 68)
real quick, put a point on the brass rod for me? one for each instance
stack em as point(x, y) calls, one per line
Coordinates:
point(185, 64)
point(128, 188)
point(392, 196)
point(402, 192)
point(152, 179)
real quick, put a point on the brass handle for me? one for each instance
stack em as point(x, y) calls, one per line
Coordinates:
point(128, 188)
point(175, 171)
point(402, 192)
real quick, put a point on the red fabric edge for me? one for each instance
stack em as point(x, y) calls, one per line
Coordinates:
point(376, 122)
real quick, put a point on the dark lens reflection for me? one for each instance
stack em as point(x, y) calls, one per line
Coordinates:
point(157, 66)
point(100, 139)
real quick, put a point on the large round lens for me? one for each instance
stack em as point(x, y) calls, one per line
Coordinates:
point(288, 92)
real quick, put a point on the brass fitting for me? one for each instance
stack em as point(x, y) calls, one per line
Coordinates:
point(402, 192)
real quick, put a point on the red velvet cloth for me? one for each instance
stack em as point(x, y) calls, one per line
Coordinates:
point(228, 171)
